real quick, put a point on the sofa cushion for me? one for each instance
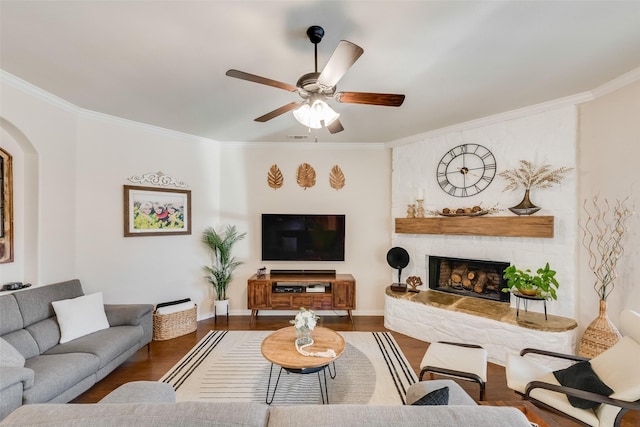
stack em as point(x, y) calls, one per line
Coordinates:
point(9, 356)
point(80, 316)
point(58, 372)
point(457, 395)
point(23, 341)
point(10, 317)
point(35, 302)
point(46, 333)
point(236, 414)
point(436, 397)
point(384, 416)
point(106, 344)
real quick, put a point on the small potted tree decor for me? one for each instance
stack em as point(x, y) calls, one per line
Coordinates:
point(222, 262)
point(542, 284)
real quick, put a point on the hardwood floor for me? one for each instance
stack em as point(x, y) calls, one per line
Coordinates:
point(152, 363)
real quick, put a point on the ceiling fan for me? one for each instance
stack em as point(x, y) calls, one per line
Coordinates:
point(315, 88)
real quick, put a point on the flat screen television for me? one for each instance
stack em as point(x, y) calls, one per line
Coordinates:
point(299, 237)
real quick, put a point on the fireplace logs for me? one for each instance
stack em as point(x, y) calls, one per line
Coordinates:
point(468, 277)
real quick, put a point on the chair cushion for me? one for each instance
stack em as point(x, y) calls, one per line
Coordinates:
point(436, 397)
point(458, 358)
point(80, 316)
point(582, 377)
point(521, 371)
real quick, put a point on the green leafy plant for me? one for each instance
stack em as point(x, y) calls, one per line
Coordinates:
point(222, 262)
point(544, 282)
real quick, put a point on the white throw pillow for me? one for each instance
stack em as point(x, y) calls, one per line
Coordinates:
point(80, 316)
point(9, 356)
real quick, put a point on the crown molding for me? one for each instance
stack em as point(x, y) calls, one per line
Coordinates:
point(33, 90)
point(496, 118)
point(617, 83)
point(308, 145)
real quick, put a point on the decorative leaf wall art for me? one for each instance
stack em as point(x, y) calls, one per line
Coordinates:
point(306, 176)
point(274, 177)
point(336, 178)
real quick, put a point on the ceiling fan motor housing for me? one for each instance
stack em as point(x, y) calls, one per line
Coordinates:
point(315, 33)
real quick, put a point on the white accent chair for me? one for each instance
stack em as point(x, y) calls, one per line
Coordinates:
point(617, 367)
point(464, 361)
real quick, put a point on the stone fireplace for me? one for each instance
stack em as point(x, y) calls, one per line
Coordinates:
point(468, 277)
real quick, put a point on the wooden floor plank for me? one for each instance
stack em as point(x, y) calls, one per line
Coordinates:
point(152, 363)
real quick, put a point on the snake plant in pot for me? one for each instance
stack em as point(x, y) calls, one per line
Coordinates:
point(219, 273)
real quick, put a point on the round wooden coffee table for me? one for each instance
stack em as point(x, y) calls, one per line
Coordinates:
point(279, 348)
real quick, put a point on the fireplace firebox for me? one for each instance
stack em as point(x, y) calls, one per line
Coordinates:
point(468, 277)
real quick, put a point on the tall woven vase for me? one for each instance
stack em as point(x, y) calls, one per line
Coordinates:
point(600, 335)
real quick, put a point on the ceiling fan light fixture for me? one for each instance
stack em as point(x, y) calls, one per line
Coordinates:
point(315, 113)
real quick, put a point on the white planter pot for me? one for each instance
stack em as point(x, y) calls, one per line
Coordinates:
point(221, 307)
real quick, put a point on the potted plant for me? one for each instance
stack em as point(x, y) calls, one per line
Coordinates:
point(222, 262)
point(543, 284)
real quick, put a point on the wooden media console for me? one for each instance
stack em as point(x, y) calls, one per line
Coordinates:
point(339, 292)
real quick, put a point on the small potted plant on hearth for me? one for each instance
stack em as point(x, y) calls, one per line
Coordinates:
point(222, 263)
point(542, 284)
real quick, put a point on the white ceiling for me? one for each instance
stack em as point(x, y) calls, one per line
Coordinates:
point(163, 62)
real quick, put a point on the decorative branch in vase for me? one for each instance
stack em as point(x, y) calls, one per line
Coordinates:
point(530, 175)
point(603, 232)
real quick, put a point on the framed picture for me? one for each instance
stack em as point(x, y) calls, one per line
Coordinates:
point(6, 207)
point(150, 211)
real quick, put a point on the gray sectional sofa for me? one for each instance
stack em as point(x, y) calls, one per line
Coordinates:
point(53, 372)
point(155, 406)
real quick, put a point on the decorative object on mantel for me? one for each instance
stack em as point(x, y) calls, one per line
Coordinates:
point(474, 211)
point(336, 178)
point(411, 211)
point(414, 282)
point(419, 209)
point(603, 232)
point(543, 284)
point(529, 175)
point(274, 177)
point(157, 178)
point(306, 176)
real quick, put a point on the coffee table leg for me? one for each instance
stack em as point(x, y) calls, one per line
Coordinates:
point(267, 400)
point(323, 393)
point(332, 375)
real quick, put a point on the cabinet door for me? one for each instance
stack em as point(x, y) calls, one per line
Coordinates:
point(344, 295)
point(259, 294)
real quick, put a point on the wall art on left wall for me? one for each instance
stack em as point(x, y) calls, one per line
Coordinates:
point(6, 207)
point(150, 211)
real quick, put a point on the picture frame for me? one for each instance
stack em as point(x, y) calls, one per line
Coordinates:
point(151, 211)
point(6, 207)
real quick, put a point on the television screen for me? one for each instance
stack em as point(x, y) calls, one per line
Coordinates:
point(296, 237)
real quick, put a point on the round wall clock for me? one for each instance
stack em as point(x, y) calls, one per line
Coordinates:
point(466, 170)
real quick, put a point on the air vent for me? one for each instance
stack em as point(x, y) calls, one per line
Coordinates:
point(297, 137)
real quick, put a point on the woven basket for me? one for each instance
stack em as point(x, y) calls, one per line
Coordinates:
point(172, 325)
point(600, 335)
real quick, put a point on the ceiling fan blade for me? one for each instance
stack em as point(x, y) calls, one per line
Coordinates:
point(345, 55)
point(384, 99)
point(335, 126)
point(277, 112)
point(262, 80)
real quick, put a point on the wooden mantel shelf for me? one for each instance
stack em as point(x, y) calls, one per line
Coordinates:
point(505, 226)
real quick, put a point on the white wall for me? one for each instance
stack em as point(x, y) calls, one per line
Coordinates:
point(542, 137)
point(76, 163)
point(364, 200)
point(608, 155)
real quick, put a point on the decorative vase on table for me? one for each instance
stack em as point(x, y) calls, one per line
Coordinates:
point(525, 207)
point(303, 336)
point(600, 335)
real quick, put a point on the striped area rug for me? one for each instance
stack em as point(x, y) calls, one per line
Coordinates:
point(228, 366)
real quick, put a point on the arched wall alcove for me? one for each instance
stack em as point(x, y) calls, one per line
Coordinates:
point(24, 268)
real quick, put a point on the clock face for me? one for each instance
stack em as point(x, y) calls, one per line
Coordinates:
point(466, 170)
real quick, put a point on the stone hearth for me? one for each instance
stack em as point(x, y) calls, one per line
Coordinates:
point(437, 316)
